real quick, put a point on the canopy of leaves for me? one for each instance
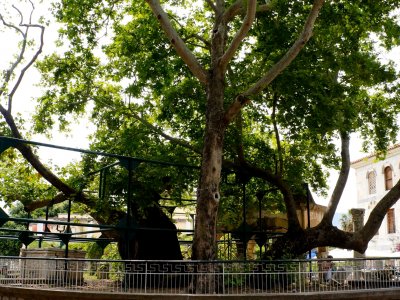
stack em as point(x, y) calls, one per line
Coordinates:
point(121, 70)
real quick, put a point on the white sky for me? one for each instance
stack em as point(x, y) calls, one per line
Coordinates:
point(78, 136)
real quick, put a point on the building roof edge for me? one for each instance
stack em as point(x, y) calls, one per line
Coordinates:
point(389, 150)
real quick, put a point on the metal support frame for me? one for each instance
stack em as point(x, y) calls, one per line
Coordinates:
point(129, 163)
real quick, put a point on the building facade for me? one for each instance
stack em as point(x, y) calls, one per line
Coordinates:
point(374, 178)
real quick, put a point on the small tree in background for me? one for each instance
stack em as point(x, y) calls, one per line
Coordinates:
point(346, 222)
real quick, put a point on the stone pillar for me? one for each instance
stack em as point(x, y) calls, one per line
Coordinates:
point(322, 252)
point(357, 215)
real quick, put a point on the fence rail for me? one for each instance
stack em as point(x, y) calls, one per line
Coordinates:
point(184, 277)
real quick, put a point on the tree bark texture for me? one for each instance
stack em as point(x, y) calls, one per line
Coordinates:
point(208, 195)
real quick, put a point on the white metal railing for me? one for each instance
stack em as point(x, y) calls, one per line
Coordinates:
point(183, 277)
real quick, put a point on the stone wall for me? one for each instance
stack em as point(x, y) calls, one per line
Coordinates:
point(12, 293)
point(47, 269)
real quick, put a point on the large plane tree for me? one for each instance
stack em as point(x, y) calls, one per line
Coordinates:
point(259, 89)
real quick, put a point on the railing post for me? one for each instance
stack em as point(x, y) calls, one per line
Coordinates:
point(145, 279)
point(300, 274)
point(223, 278)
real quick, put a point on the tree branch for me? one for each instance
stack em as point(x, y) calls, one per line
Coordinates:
point(244, 98)
point(379, 212)
point(234, 109)
point(29, 64)
point(239, 144)
point(99, 216)
point(290, 54)
point(10, 71)
point(237, 8)
point(206, 46)
point(277, 180)
point(160, 132)
point(35, 162)
point(277, 137)
point(59, 198)
point(241, 34)
point(180, 47)
point(341, 182)
point(211, 4)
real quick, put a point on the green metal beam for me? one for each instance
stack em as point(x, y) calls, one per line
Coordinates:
point(4, 218)
point(13, 141)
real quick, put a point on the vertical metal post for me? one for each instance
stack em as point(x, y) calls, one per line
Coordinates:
point(308, 207)
point(45, 226)
point(27, 226)
point(229, 241)
point(244, 222)
point(68, 230)
point(129, 206)
point(260, 223)
point(145, 279)
point(223, 278)
point(308, 224)
point(101, 184)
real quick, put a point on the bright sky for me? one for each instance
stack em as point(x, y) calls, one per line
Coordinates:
point(78, 136)
point(28, 90)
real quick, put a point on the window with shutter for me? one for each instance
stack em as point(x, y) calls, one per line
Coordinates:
point(372, 182)
point(388, 178)
point(391, 224)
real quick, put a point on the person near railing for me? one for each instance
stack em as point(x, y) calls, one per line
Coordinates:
point(327, 268)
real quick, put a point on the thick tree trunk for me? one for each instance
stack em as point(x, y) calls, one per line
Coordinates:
point(208, 197)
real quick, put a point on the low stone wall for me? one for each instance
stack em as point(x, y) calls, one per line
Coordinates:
point(12, 293)
point(46, 269)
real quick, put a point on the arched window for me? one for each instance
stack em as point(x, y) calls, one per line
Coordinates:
point(391, 223)
point(388, 178)
point(372, 182)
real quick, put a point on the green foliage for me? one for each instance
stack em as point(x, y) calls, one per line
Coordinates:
point(111, 252)
point(337, 84)
point(346, 222)
point(20, 181)
point(9, 243)
point(118, 69)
